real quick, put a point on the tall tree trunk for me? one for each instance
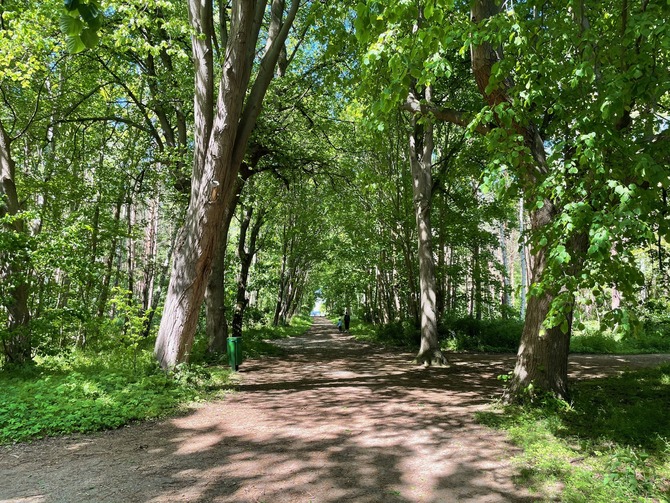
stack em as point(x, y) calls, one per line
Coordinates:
point(542, 360)
point(215, 295)
point(246, 254)
point(506, 302)
point(477, 281)
point(220, 143)
point(282, 281)
point(149, 254)
point(161, 284)
point(421, 152)
point(109, 263)
point(17, 344)
point(522, 259)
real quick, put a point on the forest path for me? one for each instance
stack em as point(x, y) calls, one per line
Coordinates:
point(335, 420)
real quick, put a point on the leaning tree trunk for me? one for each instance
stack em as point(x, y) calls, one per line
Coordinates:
point(220, 143)
point(421, 152)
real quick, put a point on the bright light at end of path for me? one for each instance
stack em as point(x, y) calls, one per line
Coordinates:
point(317, 309)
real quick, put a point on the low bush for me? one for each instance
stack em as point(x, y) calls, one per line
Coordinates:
point(650, 336)
point(470, 334)
point(399, 334)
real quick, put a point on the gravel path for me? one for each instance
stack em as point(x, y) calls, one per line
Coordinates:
point(334, 421)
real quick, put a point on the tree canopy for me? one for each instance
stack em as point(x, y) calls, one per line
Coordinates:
point(252, 157)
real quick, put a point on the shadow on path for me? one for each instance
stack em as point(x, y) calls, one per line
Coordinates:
point(335, 420)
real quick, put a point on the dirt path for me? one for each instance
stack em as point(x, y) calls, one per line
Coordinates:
point(334, 421)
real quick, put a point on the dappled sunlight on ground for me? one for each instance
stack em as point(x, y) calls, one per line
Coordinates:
point(333, 420)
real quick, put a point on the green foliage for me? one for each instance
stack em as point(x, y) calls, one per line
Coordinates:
point(470, 334)
point(80, 24)
point(400, 334)
point(612, 443)
point(653, 336)
point(82, 392)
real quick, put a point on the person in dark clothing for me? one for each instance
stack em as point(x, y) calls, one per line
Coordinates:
point(347, 320)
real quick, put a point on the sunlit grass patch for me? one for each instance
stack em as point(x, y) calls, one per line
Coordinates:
point(610, 444)
point(83, 392)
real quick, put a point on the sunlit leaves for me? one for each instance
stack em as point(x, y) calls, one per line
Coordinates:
point(80, 24)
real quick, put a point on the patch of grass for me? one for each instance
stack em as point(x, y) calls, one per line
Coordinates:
point(650, 336)
point(610, 444)
point(254, 341)
point(83, 392)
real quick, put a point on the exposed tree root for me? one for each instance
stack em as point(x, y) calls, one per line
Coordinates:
point(431, 358)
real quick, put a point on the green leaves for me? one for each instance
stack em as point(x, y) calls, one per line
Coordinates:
point(80, 24)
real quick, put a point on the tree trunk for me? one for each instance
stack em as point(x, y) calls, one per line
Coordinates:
point(506, 302)
point(246, 254)
point(522, 258)
point(220, 143)
point(17, 343)
point(109, 263)
point(421, 152)
point(542, 360)
point(215, 297)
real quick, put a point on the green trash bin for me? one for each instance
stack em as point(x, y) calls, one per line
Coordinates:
point(235, 352)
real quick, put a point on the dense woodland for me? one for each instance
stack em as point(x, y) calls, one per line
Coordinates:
point(181, 171)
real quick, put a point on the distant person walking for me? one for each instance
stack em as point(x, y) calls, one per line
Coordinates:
point(339, 324)
point(347, 320)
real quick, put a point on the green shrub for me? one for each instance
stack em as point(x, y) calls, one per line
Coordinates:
point(470, 334)
point(651, 336)
point(594, 343)
point(399, 334)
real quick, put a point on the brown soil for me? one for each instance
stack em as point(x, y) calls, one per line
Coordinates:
point(333, 421)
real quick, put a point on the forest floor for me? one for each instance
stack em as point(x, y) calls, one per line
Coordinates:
point(334, 420)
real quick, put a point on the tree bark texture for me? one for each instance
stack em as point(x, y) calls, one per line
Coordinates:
point(542, 359)
point(17, 343)
point(421, 151)
point(220, 140)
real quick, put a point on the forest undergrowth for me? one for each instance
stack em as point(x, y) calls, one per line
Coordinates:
point(84, 390)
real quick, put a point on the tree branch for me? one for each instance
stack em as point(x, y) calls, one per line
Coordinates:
point(412, 104)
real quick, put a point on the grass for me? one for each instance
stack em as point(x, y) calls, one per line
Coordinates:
point(610, 444)
point(90, 391)
point(83, 392)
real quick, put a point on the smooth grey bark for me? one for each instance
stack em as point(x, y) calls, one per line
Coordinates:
point(220, 140)
point(420, 153)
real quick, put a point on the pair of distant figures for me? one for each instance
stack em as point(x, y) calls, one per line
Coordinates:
point(347, 321)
